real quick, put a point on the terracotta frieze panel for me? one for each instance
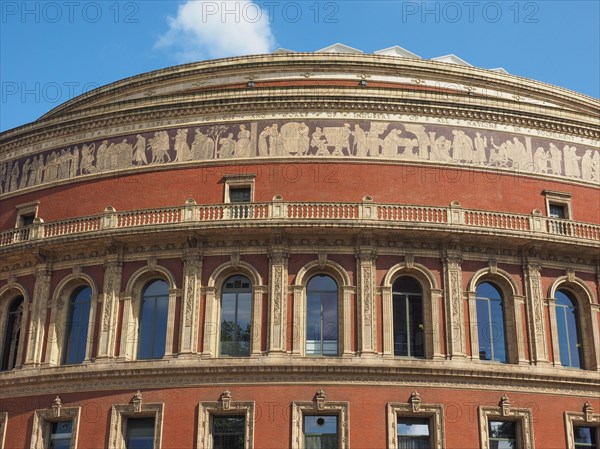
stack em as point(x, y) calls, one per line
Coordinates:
point(310, 138)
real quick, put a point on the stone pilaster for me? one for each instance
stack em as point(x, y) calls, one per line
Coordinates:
point(278, 299)
point(111, 290)
point(455, 333)
point(367, 312)
point(534, 305)
point(190, 301)
point(41, 295)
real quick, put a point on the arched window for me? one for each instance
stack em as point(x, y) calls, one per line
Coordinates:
point(236, 317)
point(12, 334)
point(567, 322)
point(408, 318)
point(490, 323)
point(153, 320)
point(322, 316)
point(77, 326)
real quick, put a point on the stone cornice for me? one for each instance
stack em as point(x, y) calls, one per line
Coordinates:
point(251, 371)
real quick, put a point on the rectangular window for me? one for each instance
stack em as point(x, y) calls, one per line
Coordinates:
point(240, 195)
point(320, 432)
point(503, 434)
point(61, 433)
point(557, 211)
point(228, 432)
point(585, 437)
point(140, 433)
point(413, 433)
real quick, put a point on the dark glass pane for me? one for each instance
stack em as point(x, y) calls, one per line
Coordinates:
point(557, 211)
point(228, 432)
point(27, 220)
point(417, 346)
point(400, 325)
point(568, 330)
point(77, 326)
point(153, 320)
point(320, 432)
point(236, 314)
point(12, 334)
point(140, 433)
point(407, 284)
point(502, 434)
point(239, 195)
point(321, 316)
point(490, 323)
point(60, 435)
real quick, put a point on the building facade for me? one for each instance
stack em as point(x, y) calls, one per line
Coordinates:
point(303, 250)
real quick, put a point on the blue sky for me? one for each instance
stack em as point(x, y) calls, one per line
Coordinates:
point(51, 51)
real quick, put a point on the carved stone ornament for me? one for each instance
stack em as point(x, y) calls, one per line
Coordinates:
point(320, 398)
point(226, 399)
point(410, 260)
point(505, 405)
point(137, 401)
point(322, 257)
point(235, 258)
point(56, 406)
point(152, 263)
point(415, 401)
point(493, 265)
point(76, 270)
point(588, 411)
point(570, 275)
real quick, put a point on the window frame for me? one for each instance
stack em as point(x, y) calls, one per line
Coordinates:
point(578, 328)
point(135, 409)
point(155, 299)
point(434, 413)
point(238, 181)
point(4, 322)
point(220, 314)
point(224, 407)
point(321, 324)
point(563, 199)
point(43, 419)
point(68, 325)
point(423, 316)
point(320, 406)
point(523, 417)
point(586, 418)
point(505, 307)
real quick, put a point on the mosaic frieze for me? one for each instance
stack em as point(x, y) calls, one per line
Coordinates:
point(311, 138)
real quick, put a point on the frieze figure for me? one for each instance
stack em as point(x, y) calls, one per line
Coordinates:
point(183, 153)
point(139, 151)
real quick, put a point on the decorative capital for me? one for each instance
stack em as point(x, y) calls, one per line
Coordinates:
point(137, 401)
point(226, 399)
point(56, 406)
point(320, 398)
point(504, 405)
point(415, 401)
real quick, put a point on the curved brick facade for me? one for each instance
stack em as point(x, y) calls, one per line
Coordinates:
point(450, 176)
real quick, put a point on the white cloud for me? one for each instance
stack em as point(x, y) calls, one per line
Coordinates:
point(206, 29)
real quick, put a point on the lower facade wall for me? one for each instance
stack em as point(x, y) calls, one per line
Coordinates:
point(273, 422)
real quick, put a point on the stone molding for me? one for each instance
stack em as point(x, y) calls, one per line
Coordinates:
point(40, 435)
point(585, 418)
point(523, 417)
point(224, 407)
point(136, 408)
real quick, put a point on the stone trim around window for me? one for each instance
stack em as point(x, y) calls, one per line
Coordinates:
point(3, 424)
point(320, 406)
point(563, 199)
point(504, 412)
point(238, 181)
point(135, 409)
point(586, 418)
point(224, 407)
point(415, 409)
point(40, 434)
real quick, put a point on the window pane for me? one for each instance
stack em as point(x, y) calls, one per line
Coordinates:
point(153, 320)
point(320, 432)
point(490, 323)
point(60, 435)
point(12, 334)
point(413, 433)
point(408, 318)
point(236, 315)
point(239, 195)
point(140, 433)
point(321, 316)
point(228, 432)
point(502, 434)
point(585, 437)
point(557, 211)
point(568, 330)
point(77, 326)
